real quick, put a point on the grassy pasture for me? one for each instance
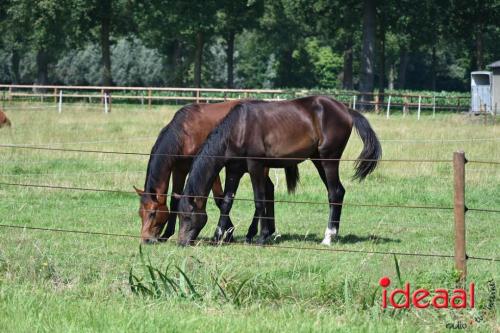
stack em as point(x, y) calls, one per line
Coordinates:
point(74, 282)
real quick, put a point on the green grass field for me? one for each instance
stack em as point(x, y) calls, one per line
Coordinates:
point(68, 282)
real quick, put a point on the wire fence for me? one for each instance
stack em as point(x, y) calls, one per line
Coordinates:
point(202, 241)
point(288, 247)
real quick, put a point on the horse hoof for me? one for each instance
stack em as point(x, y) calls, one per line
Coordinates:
point(326, 242)
point(263, 240)
point(229, 239)
point(248, 240)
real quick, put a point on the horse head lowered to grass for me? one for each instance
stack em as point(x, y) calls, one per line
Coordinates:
point(256, 135)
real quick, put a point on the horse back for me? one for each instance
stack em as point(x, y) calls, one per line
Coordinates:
point(293, 128)
point(201, 119)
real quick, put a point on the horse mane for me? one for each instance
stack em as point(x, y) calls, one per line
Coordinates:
point(169, 143)
point(215, 145)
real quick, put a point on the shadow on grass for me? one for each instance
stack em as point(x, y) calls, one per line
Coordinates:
point(347, 239)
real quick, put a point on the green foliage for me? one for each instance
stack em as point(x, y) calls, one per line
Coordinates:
point(431, 45)
point(326, 64)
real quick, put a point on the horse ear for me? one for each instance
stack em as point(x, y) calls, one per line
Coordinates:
point(139, 192)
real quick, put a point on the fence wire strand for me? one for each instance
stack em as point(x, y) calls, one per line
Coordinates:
point(289, 247)
point(223, 157)
point(236, 199)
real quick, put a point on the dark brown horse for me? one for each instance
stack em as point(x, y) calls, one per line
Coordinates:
point(257, 134)
point(4, 121)
point(184, 136)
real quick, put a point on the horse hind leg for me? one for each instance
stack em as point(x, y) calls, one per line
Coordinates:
point(335, 198)
point(258, 178)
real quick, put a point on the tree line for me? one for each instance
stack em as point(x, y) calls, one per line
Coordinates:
point(347, 44)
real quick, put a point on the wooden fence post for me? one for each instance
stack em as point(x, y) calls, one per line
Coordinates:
point(495, 114)
point(149, 99)
point(377, 98)
point(434, 106)
point(459, 212)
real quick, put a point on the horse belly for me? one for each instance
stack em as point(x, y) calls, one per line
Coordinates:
point(295, 145)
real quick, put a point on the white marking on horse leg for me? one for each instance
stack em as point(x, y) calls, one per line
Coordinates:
point(328, 236)
point(219, 232)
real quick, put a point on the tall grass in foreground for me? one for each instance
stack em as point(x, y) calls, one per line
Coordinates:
point(174, 282)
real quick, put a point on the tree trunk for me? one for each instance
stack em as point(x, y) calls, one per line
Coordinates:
point(198, 57)
point(42, 64)
point(347, 70)
point(479, 48)
point(105, 42)
point(390, 84)
point(369, 27)
point(14, 61)
point(404, 58)
point(230, 59)
point(433, 69)
point(381, 74)
point(175, 70)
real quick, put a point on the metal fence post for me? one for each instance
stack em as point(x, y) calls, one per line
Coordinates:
point(459, 212)
point(105, 96)
point(388, 107)
point(60, 101)
point(419, 104)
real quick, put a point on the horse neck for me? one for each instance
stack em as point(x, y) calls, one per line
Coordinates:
point(203, 173)
point(158, 179)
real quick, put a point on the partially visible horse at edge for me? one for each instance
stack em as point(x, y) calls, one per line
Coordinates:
point(4, 121)
point(257, 134)
point(172, 154)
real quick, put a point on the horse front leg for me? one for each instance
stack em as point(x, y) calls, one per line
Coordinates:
point(268, 219)
point(232, 182)
point(219, 201)
point(178, 180)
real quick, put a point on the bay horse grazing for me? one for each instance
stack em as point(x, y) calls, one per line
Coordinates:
point(257, 134)
point(4, 121)
point(184, 135)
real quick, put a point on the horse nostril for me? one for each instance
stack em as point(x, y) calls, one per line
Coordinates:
point(147, 241)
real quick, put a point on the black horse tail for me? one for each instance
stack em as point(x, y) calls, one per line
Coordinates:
point(372, 150)
point(292, 178)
